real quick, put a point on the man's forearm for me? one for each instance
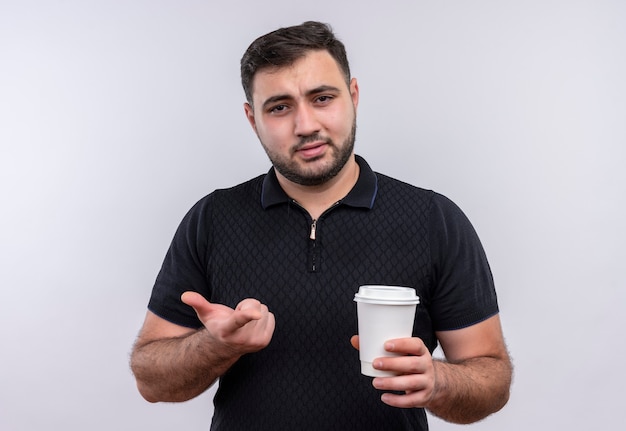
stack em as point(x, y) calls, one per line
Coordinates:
point(471, 390)
point(178, 369)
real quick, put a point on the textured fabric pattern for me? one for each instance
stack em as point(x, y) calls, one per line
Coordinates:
point(229, 247)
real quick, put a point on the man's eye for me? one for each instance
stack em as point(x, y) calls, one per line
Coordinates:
point(278, 109)
point(324, 99)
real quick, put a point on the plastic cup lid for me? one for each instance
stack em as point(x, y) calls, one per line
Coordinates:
point(392, 295)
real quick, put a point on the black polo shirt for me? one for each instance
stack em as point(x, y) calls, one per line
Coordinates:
point(253, 241)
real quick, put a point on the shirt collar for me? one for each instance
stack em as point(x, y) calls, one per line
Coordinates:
point(362, 194)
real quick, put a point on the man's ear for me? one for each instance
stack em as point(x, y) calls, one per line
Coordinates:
point(249, 110)
point(354, 92)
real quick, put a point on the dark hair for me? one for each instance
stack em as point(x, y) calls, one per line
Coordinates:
point(284, 46)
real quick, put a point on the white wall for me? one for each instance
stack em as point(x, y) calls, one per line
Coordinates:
point(116, 116)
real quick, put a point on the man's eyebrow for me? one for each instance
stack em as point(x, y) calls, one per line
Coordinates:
point(282, 97)
point(323, 89)
point(275, 99)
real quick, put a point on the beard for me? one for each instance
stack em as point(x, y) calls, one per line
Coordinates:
point(315, 177)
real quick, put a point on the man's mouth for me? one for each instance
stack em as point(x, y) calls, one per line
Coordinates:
point(312, 150)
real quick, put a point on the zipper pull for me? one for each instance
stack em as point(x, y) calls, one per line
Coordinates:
point(313, 226)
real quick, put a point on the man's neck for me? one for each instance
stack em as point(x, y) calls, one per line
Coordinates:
point(317, 199)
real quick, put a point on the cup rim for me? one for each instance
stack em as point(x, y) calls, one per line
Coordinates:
point(390, 295)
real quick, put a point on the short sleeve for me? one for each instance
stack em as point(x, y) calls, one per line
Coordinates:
point(185, 268)
point(463, 287)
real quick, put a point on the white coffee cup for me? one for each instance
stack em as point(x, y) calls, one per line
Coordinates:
point(384, 313)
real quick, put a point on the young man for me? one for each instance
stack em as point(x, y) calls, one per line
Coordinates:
point(299, 241)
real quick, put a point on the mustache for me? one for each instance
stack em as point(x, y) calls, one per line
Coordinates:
point(316, 137)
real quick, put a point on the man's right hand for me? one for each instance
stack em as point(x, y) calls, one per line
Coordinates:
point(246, 329)
point(174, 363)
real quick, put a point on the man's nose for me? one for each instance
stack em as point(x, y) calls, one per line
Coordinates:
point(306, 122)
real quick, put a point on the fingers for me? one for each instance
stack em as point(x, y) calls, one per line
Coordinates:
point(408, 346)
point(416, 373)
point(247, 311)
point(411, 357)
point(411, 399)
point(249, 327)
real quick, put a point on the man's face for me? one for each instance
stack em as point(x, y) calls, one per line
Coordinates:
point(305, 118)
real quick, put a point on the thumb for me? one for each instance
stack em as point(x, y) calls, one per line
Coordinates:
point(355, 341)
point(197, 301)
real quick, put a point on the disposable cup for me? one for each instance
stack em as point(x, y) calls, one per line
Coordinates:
point(383, 313)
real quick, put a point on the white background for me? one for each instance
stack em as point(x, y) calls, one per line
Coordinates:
point(116, 116)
